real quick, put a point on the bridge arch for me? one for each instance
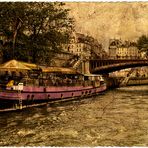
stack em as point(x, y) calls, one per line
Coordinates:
point(117, 66)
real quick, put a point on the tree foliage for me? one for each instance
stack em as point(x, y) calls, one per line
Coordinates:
point(142, 44)
point(36, 27)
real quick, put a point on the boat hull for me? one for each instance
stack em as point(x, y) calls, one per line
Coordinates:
point(10, 98)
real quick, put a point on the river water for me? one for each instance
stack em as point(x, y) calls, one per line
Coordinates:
point(118, 117)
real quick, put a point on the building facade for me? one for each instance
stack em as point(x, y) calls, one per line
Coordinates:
point(123, 50)
point(78, 46)
point(85, 46)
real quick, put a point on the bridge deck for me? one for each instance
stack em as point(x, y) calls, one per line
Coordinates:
point(107, 66)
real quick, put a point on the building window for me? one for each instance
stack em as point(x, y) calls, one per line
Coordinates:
point(68, 48)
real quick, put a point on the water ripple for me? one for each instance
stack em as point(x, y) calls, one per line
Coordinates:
point(117, 118)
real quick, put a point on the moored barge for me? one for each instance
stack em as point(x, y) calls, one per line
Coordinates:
point(44, 85)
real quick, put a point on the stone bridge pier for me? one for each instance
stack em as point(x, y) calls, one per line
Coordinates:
point(86, 67)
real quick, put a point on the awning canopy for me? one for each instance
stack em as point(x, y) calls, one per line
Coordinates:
point(13, 65)
point(30, 65)
point(59, 70)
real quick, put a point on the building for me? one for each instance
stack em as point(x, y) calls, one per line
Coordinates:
point(123, 50)
point(78, 45)
point(114, 44)
point(85, 46)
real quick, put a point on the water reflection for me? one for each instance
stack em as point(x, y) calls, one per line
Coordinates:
point(117, 118)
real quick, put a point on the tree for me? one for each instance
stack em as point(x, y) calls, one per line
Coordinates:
point(142, 44)
point(34, 29)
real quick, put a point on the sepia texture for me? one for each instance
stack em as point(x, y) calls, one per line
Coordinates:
point(104, 20)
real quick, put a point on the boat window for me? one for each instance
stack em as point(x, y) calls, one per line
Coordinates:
point(32, 97)
point(48, 96)
point(86, 78)
point(34, 74)
point(28, 97)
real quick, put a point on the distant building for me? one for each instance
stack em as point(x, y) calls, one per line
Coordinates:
point(127, 53)
point(123, 50)
point(78, 46)
point(114, 44)
point(84, 46)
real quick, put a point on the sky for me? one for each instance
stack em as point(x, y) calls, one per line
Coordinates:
point(108, 20)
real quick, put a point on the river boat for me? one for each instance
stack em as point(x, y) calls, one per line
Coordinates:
point(44, 85)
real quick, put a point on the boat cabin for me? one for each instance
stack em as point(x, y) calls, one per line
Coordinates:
point(95, 79)
point(12, 74)
point(55, 76)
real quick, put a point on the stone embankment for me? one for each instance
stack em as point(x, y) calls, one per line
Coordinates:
point(137, 81)
point(114, 82)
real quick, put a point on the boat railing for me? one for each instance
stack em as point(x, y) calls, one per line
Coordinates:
point(45, 82)
point(58, 82)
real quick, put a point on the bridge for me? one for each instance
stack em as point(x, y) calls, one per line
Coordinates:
point(111, 65)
